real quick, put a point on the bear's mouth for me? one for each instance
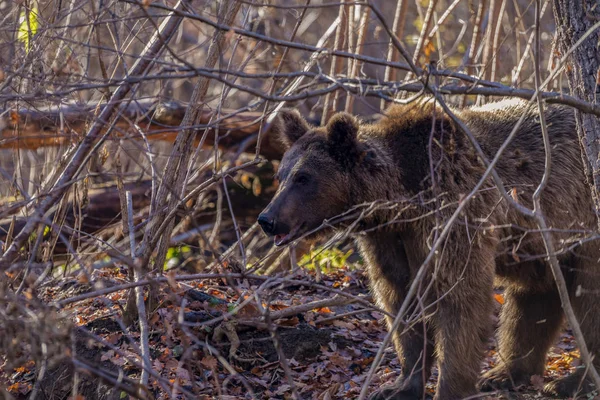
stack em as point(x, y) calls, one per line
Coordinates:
point(282, 239)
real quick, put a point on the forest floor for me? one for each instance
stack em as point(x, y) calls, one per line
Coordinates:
point(329, 350)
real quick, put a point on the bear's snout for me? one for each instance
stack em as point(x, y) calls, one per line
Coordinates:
point(267, 224)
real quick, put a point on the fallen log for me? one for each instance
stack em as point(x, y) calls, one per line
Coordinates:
point(65, 124)
point(249, 192)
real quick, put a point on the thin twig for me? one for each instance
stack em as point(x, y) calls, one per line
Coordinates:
point(139, 299)
point(155, 45)
point(561, 284)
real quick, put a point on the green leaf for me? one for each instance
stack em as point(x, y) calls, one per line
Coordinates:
point(177, 351)
point(325, 259)
point(28, 26)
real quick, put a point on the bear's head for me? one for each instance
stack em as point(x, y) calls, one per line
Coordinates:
point(315, 174)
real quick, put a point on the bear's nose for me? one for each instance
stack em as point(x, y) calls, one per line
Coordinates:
point(267, 224)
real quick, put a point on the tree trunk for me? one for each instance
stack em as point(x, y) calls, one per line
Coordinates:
point(574, 18)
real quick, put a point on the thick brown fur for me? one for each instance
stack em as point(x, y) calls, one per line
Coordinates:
point(404, 176)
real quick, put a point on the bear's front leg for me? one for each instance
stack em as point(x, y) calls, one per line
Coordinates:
point(462, 320)
point(416, 356)
point(390, 276)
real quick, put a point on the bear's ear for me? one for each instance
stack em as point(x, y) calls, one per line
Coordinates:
point(342, 130)
point(289, 126)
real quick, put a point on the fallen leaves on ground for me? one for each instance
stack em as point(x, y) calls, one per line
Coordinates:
point(329, 350)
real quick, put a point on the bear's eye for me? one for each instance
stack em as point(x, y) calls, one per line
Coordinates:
point(301, 179)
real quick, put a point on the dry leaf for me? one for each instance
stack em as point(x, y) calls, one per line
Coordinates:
point(183, 374)
point(157, 365)
point(256, 187)
point(429, 50)
point(82, 278)
point(514, 195)
point(107, 356)
point(171, 279)
point(245, 181)
point(537, 382)
point(14, 117)
point(209, 362)
point(499, 298)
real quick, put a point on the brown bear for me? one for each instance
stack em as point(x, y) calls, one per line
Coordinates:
point(394, 183)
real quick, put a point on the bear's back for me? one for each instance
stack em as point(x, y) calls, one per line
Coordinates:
point(406, 132)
